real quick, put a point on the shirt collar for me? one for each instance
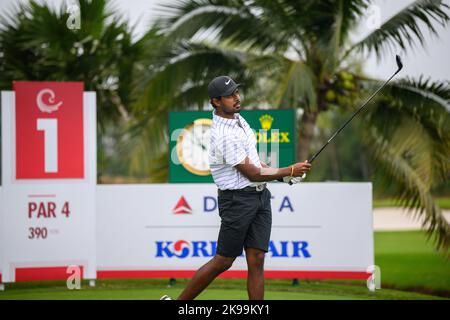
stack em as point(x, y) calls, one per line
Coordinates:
point(226, 121)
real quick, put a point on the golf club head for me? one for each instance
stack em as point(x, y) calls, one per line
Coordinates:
point(399, 62)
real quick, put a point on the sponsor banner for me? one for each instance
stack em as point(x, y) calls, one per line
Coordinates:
point(189, 133)
point(317, 227)
point(47, 206)
point(320, 230)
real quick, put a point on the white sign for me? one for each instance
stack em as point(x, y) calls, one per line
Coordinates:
point(47, 216)
point(320, 230)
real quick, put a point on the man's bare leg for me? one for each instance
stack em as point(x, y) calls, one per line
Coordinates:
point(205, 275)
point(255, 277)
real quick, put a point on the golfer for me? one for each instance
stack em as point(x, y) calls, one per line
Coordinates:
point(243, 197)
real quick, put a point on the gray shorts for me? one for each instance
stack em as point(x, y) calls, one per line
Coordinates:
point(246, 221)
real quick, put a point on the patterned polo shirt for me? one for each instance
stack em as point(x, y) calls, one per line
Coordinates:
point(231, 141)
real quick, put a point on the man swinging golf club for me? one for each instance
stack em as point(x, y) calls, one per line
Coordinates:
point(243, 198)
point(238, 178)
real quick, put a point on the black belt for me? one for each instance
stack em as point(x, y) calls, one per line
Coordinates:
point(258, 188)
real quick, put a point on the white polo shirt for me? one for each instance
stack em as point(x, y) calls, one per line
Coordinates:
point(231, 141)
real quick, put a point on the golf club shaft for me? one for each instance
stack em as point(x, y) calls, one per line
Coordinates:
point(399, 67)
point(351, 118)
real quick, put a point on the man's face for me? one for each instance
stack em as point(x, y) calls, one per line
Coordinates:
point(230, 104)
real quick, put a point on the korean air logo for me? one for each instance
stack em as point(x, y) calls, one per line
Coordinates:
point(182, 249)
point(182, 207)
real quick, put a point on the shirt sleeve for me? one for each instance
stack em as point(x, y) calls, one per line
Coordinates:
point(231, 150)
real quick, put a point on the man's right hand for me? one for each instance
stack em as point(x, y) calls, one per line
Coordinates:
point(300, 168)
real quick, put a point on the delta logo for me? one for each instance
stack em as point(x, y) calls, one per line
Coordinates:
point(182, 207)
point(276, 136)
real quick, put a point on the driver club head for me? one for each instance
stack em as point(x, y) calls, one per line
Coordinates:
point(399, 62)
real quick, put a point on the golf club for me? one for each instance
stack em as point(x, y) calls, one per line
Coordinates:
point(399, 67)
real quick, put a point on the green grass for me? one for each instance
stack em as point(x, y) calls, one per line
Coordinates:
point(443, 203)
point(153, 289)
point(410, 269)
point(409, 262)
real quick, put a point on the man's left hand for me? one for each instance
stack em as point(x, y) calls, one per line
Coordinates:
point(292, 180)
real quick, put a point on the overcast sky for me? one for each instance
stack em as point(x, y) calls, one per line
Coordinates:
point(433, 60)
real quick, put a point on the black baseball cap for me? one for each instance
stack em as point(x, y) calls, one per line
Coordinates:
point(222, 86)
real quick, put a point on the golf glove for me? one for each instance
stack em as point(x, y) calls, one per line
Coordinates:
point(292, 180)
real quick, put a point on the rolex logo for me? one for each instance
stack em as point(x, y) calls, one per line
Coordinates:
point(266, 121)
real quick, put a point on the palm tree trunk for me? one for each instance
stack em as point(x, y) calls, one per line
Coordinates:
point(363, 163)
point(334, 162)
point(306, 133)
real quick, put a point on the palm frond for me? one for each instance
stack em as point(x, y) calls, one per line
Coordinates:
point(177, 80)
point(296, 87)
point(424, 102)
point(159, 168)
point(232, 21)
point(427, 91)
point(404, 28)
point(346, 14)
point(144, 143)
point(407, 131)
point(189, 64)
point(406, 160)
point(38, 45)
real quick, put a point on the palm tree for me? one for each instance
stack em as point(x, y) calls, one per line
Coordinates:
point(301, 53)
point(37, 44)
